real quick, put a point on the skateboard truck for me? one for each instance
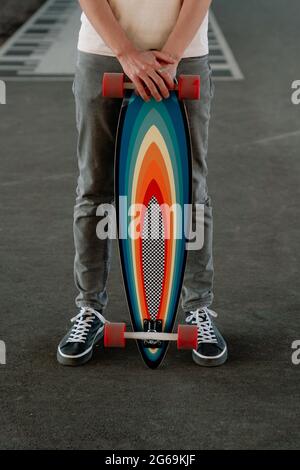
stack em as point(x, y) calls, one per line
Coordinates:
point(115, 86)
point(152, 326)
point(115, 336)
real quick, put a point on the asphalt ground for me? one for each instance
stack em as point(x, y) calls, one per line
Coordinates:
point(114, 402)
point(14, 13)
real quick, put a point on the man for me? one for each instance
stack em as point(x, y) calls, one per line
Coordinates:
point(151, 41)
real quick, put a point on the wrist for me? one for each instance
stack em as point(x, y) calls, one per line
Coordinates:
point(125, 51)
point(173, 54)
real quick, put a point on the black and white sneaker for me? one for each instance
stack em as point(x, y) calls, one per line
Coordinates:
point(76, 348)
point(212, 348)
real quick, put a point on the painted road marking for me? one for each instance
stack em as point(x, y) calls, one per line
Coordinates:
point(223, 62)
point(44, 48)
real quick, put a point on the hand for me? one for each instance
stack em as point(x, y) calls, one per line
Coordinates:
point(147, 69)
point(168, 72)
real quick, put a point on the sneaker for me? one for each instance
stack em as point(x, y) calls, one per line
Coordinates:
point(76, 348)
point(212, 348)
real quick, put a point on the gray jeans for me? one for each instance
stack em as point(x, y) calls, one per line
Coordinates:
point(97, 120)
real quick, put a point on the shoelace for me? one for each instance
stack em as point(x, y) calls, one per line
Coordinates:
point(82, 323)
point(201, 318)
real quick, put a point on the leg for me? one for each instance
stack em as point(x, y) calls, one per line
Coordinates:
point(97, 119)
point(197, 292)
point(198, 282)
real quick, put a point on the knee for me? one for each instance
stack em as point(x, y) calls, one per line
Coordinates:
point(89, 191)
point(200, 194)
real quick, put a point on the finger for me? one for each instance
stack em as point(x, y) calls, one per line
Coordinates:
point(151, 87)
point(168, 79)
point(157, 65)
point(160, 83)
point(164, 57)
point(140, 89)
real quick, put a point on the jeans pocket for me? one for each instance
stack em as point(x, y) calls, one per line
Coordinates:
point(211, 82)
point(74, 86)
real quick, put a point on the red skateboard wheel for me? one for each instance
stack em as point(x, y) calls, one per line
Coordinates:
point(187, 337)
point(113, 85)
point(189, 87)
point(114, 335)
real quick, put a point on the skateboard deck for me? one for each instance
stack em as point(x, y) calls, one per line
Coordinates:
point(152, 190)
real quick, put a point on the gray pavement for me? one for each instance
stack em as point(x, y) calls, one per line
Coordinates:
point(13, 13)
point(114, 402)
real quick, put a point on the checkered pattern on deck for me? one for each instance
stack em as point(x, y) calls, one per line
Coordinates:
point(153, 256)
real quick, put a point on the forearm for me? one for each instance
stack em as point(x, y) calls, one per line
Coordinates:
point(103, 20)
point(189, 20)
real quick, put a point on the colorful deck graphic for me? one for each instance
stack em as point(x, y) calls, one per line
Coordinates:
point(153, 177)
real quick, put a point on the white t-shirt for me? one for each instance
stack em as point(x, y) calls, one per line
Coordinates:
point(147, 23)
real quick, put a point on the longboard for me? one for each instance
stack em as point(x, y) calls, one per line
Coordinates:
point(153, 178)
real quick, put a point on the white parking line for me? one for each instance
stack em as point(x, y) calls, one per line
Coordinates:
point(44, 48)
point(219, 43)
